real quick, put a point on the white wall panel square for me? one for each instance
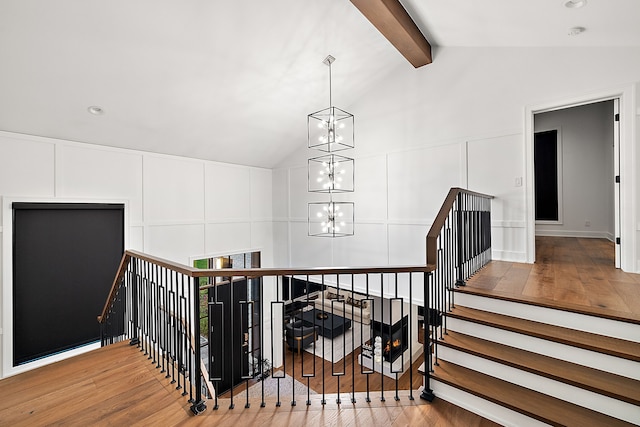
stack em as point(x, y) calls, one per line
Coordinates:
point(175, 242)
point(494, 165)
point(262, 239)
point(309, 251)
point(281, 243)
point(370, 195)
point(261, 194)
point(299, 193)
point(280, 188)
point(136, 238)
point(419, 181)
point(173, 189)
point(228, 238)
point(26, 167)
point(366, 248)
point(102, 174)
point(407, 244)
point(228, 192)
point(508, 244)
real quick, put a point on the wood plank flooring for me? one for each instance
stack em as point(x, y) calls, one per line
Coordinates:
point(352, 380)
point(576, 272)
point(116, 385)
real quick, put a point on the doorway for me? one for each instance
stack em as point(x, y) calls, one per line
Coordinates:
point(575, 164)
point(626, 250)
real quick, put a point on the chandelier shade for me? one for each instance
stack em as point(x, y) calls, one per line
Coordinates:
point(331, 174)
point(331, 219)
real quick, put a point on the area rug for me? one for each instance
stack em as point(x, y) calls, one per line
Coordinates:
point(287, 384)
point(336, 349)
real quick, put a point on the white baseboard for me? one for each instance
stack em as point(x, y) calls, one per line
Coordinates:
point(510, 256)
point(574, 233)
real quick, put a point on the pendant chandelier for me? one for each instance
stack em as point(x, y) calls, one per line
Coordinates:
point(330, 130)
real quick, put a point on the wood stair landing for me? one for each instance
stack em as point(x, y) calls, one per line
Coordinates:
point(529, 402)
point(598, 343)
point(605, 383)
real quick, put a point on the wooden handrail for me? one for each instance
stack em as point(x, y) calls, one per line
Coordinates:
point(245, 272)
point(438, 222)
point(124, 264)
point(260, 272)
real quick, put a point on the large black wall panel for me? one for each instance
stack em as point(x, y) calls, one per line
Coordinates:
point(65, 257)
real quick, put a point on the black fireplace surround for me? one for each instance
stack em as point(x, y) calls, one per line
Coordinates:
point(395, 338)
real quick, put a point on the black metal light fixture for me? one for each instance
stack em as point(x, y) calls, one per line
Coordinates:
point(331, 130)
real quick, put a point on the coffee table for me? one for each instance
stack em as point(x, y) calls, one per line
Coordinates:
point(330, 326)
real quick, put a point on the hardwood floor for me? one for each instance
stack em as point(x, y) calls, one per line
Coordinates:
point(352, 380)
point(116, 385)
point(576, 272)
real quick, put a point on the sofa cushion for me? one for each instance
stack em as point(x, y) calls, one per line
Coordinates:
point(356, 302)
point(331, 295)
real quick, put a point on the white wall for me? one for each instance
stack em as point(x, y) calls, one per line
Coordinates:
point(457, 122)
point(586, 133)
point(177, 208)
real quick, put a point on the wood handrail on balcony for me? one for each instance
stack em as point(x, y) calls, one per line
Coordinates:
point(439, 221)
point(124, 264)
point(247, 272)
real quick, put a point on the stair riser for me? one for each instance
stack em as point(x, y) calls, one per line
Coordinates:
point(596, 325)
point(484, 408)
point(559, 390)
point(569, 353)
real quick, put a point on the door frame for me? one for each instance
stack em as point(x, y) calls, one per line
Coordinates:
point(626, 211)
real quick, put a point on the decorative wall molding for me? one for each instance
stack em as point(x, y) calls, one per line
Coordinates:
point(508, 224)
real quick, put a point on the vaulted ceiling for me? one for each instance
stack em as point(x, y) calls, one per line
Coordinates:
point(233, 80)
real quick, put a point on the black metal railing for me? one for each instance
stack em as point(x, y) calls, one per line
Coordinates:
point(337, 331)
point(153, 303)
point(458, 245)
point(337, 317)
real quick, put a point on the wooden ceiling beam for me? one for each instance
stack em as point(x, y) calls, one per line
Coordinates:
point(393, 21)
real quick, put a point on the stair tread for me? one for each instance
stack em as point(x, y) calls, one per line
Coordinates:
point(528, 402)
point(594, 342)
point(604, 313)
point(605, 383)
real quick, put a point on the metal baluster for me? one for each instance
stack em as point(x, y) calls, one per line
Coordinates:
point(371, 335)
point(427, 393)
point(410, 333)
point(382, 399)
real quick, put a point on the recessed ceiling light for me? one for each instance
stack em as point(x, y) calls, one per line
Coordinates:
point(575, 4)
point(575, 31)
point(95, 110)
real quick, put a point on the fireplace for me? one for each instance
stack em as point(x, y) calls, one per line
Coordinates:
point(395, 338)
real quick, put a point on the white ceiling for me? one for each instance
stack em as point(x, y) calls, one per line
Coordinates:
point(234, 80)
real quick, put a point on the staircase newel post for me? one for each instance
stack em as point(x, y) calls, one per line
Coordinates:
point(460, 240)
point(198, 406)
point(427, 393)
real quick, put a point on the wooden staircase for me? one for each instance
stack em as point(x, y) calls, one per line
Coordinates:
point(527, 363)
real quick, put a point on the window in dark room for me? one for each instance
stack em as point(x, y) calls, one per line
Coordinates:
point(546, 166)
